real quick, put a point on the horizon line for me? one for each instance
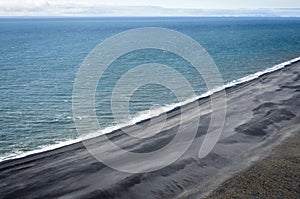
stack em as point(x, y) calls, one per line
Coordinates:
point(150, 16)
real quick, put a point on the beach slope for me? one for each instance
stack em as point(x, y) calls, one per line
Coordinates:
point(261, 113)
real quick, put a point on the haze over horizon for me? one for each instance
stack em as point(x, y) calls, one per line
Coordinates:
point(86, 8)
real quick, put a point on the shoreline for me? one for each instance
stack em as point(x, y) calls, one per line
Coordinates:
point(172, 107)
point(257, 112)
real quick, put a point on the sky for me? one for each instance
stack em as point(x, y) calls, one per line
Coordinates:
point(149, 8)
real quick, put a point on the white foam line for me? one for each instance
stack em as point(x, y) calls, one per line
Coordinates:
point(42, 149)
point(260, 73)
point(154, 113)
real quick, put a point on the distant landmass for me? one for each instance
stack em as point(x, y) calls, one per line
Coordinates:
point(110, 10)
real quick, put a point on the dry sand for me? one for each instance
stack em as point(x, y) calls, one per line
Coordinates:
point(277, 176)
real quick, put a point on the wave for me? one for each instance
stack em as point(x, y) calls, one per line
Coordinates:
point(146, 115)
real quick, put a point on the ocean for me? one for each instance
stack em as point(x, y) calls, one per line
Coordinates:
point(40, 58)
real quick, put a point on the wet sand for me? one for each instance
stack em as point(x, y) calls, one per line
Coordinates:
point(260, 115)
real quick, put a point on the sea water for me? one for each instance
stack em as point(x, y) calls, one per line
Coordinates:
point(40, 57)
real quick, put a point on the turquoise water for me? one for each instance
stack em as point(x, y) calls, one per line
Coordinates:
point(39, 60)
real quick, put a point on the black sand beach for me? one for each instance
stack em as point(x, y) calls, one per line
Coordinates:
point(260, 115)
point(277, 176)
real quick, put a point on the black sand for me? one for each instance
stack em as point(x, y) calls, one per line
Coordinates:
point(260, 114)
point(277, 176)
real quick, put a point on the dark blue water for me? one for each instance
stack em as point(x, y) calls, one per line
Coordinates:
point(39, 60)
